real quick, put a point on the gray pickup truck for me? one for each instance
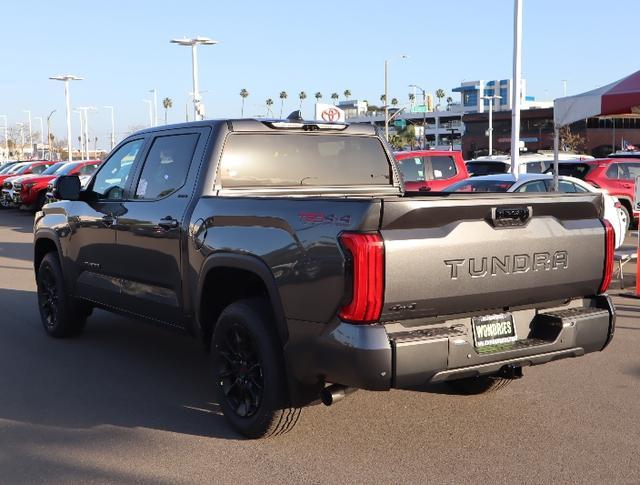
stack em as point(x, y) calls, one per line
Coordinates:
point(291, 249)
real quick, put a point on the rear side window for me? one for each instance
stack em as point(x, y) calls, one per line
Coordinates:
point(167, 165)
point(442, 167)
point(535, 186)
point(612, 171)
point(292, 159)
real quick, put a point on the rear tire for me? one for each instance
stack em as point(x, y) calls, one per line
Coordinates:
point(249, 372)
point(472, 386)
point(629, 219)
point(61, 315)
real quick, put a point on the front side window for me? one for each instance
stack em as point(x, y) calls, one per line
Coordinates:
point(166, 167)
point(110, 182)
point(38, 169)
point(629, 171)
point(88, 169)
point(293, 159)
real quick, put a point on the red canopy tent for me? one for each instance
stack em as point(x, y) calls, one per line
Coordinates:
point(620, 98)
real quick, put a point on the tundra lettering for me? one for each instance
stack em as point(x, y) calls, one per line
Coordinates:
point(519, 263)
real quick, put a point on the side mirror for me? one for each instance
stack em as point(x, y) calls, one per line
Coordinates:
point(67, 187)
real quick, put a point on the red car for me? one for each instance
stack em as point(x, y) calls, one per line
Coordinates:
point(426, 170)
point(24, 168)
point(616, 175)
point(30, 192)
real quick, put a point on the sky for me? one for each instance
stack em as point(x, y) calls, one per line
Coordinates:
point(122, 51)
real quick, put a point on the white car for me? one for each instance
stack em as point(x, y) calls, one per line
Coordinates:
point(536, 182)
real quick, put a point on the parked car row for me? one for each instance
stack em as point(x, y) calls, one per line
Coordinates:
point(25, 185)
point(446, 171)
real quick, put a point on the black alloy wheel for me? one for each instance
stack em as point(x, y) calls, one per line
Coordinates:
point(240, 372)
point(47, 297)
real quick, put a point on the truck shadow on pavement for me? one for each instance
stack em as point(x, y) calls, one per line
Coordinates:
point(119, 372)
point(16, 250)
point(20, 221)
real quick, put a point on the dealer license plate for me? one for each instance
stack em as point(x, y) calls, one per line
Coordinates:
point(493, 329)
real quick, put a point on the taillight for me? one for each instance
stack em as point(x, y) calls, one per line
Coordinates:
point(609, 243)
point(367, 272)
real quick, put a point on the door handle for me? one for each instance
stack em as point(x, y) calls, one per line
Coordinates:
point(108, 220)
point(627, 186)
point(168, 223)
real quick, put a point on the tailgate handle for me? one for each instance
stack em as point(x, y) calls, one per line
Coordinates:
point(510, 216)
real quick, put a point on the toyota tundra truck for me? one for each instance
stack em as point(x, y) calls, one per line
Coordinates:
point(291, 249)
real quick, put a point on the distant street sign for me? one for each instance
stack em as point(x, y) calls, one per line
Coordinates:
point(419, 108)
point(402, 124)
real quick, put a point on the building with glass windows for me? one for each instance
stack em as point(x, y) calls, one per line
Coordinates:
point(471, 93)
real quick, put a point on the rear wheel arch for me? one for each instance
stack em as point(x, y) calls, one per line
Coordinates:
point(225, 278)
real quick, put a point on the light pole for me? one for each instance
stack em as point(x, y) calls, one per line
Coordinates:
point(6, 141)
point(41, 132)
point(516, 88)
point(386, 96)
point(424, 114)
point(49, 134)
point(66, 78)
point(28, 111)
point(490, 130)
point(198, 107)
point(81, 132)
point(150, 104)
point(155, 106)
point(113, 127)
point(21, 126)
point(85, 110)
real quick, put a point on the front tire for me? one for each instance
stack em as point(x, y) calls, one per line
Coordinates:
point(248, 368)
point(61, 315)
point(472, 386)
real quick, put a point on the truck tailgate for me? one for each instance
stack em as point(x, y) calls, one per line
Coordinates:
point(474, 252)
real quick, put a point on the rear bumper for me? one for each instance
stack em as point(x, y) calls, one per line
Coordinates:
point(377, 357)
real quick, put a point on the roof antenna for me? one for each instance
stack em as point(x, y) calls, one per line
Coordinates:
point(295, 116)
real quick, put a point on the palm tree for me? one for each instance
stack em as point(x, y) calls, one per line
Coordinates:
point(394, 102)
point(440, 94)
point(449, 101)
point(269, 103)
point(318, 96)
point(302, 95)
point(412, 98)
point(283, 96)
point(347, 93)
point(335, 97)
point(383, 99)
point(166, 104)
point(244, 94)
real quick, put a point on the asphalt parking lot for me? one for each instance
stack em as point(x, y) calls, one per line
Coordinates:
point(128, 402)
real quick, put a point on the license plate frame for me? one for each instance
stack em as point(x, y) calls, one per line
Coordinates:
point(495, 329)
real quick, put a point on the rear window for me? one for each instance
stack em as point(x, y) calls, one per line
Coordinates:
point(470, 185)
point(486, 168)
point(577, 170)
point(419, 169)
point(272, 160)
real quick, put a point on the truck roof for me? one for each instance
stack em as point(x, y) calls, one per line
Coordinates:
point(273, 125)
